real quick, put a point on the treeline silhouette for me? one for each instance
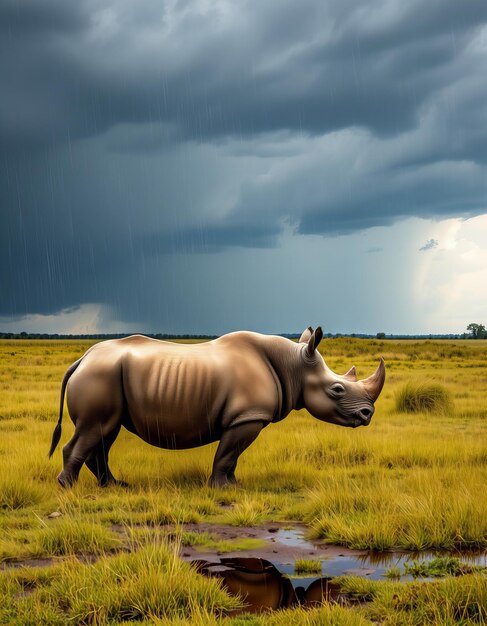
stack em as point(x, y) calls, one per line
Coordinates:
point(102, 336)
point(24, 335)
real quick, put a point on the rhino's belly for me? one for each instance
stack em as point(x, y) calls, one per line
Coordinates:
point(170, 430)
point(173, 402)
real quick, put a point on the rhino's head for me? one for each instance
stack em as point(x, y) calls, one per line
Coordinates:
point(341, 400)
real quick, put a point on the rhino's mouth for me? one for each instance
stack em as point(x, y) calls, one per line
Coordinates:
point(352, 421)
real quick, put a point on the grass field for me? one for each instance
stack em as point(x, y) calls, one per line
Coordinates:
point(411, 480)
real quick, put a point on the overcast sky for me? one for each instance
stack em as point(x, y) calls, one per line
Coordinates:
point(208, 166)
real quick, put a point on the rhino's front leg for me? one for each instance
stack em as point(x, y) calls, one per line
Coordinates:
point(232, 443)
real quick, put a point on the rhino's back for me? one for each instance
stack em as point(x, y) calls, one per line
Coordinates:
point(174, 392)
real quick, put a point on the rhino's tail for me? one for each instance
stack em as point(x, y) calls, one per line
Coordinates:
point(56, 435)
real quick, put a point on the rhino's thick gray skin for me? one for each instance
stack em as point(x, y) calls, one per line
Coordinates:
point(181, 396)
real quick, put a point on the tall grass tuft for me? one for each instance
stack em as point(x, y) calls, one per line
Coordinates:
point(71, 537)
point(17, 492)
point(150, 583)
point(416, 397)
point(307, 566)
point(451, 601)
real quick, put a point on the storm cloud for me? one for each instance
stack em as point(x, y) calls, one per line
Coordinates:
point(136, 138)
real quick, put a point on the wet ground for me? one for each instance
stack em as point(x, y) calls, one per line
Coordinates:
point(266, 577)
point(284, 545)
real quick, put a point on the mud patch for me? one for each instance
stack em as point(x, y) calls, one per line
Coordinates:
point(47, 561)
point(283, 546)
point(41, 562)
point(279, 543)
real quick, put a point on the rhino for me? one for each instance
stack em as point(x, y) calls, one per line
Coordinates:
point(179, 396)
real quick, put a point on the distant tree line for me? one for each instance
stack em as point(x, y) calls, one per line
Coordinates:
point(474, 331)
point(24, 335)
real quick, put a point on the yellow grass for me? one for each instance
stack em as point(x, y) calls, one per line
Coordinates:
point(409, 480)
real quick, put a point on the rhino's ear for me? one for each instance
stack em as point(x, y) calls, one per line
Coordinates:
point(305, 337)
point(314, 341)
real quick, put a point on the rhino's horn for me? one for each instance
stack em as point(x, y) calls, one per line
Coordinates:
point(351, 374)
point(374, 383)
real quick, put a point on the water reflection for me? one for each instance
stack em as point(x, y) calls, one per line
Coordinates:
point(264, 587)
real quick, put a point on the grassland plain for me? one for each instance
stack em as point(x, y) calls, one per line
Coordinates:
point(409, 481)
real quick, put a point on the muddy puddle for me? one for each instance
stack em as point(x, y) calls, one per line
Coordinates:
point(267, 578)
point(284, 546)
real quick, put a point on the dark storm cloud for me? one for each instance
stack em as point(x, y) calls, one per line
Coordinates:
point(133, 131)
point(32, 17)
point(442, 189)
point(212, 71)
point(211, 238)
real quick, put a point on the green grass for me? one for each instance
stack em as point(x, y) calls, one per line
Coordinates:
point(439, 567)
point(394, 573)
point(307, 566)
point(206, 542)
point(409, 480)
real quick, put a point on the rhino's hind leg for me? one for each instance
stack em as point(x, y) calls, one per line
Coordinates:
point(97, 461)
point(67, 478)
point(74, 455)
point(83, 443)
point(232, 443)
point(231, 474)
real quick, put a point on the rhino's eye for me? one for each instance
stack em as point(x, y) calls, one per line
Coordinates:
point(337, 389)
